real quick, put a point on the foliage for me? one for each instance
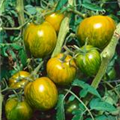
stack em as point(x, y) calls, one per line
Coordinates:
point(94, 104)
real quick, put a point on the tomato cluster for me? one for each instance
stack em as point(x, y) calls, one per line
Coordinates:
point(40, 40)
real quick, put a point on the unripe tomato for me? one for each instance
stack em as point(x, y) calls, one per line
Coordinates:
point(62, 72)
point(17, 110)
point(89, 61)
point(41, 94)
point(71, 106)
point(19, 79)
point(40, 40)
point(97, 29)
point(55, 20)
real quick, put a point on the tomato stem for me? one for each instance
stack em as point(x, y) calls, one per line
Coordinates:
point(1, 100)
point(64, 29)
point(106, 56)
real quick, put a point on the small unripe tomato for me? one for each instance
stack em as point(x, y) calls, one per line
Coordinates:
point(55, 20)
point(40, 39)
point(98, 30)
point(41, 94)
point(17, 110)
point(19, 79)
point(62, 72)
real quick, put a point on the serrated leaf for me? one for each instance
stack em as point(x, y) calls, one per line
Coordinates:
point(77, 115)
point(10, 20)
point(91, 6)
point(98, 104)
point(60, 4)
point(30, 9)
point(60, 115)
point(16, 46)
point(23, 56)
point(86, 87)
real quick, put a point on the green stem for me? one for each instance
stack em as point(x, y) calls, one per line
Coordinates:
point(1, 100)
point(2, 6)
point(20, 10)
point(64, 29)
point(81, 103)
point(106, 56)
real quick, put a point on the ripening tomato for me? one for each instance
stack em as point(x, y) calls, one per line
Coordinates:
point(41, 94)
point(55, 20)
point(89, 60)
point(40, 39)
point(98, 30)
point(62, 72)
point(19, 79)
point(17, 110)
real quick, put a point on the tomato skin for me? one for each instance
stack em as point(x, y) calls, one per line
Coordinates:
point(61, 72)
point(97, 29)
point(17, 110)
point(55, 20)
point(41, 94)
point(89, 62)
point(19, 79)
point(40, 40)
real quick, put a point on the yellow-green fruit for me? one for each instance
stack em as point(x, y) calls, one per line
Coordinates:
point(40, 39)
point(97, 30)
point(41, 94)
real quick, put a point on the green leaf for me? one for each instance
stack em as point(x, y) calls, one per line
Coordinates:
point(103, 117)
point(98, 104)
point(60, 108)
point(30, 9)
point(71, 98)
point(87, 88)
point(60, 4)
point(91, 6)
point(4, 51)
point(16, 46)
point(23, 57)
point(77, 115)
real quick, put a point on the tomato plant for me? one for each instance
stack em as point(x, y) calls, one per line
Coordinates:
point(19, 79)
point(88, 60)
point(40, 40)
point(98, 33)
point(41, 94)
point(17, 110)
point(68, 61)
point(55, 20)
point(61, 69)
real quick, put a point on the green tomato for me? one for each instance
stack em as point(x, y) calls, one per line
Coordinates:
point(72, 106)
point(89, 60)
point(17, 110)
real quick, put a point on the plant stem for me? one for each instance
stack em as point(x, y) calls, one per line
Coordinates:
point(1, 100)
point(81, 103)
point(106, 56)
point(20, 10)
point(64, 29)
point(2, 6)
